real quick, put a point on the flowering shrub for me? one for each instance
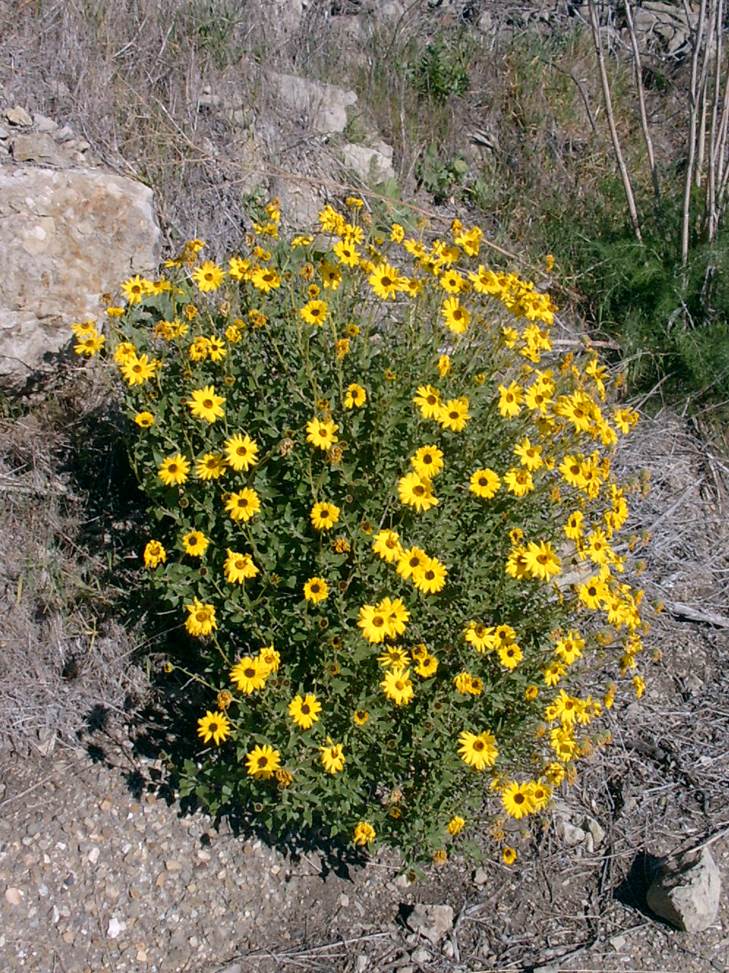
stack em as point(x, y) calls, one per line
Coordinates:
point(384, 511)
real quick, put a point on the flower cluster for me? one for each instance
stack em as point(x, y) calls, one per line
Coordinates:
point(386, 513)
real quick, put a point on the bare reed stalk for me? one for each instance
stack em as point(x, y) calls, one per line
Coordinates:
point(641, 100)
point(718, 131)
point(625, 176)
point(694, 112)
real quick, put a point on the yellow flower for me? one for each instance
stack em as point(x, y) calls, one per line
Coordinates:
point(174, 470)
point(456, 825)
point(322, 433)
point(324, 515)
point(364, 834)
point(241, 452)
point(454, 414)
point(138, 369)
point(387, 545)
point(354, 397)
point(518, 481)
point(208, 276)
point(243, 505)
point(427, 666)
point(484, 483)
point(529, 455)
point(444, 365)
point(541, 561)
point(304, 710)
point(144, 420)
point(478, 750)
point(510, 397)
point(262, 762)
point(200, 620)
point(249, 674)
point(213, 726)
point(360, 717)
point(510, 655)
point(397, 686)
point(385, 281)
point(430, 577)
point(455, 315)
point(205, 404)
point(239, 567)
point(427, 462)
point(136, 288)
point(316, 590)
point(210, 466)
point(315, 312)
point(509, 855)
point(154, 554)
point(346, 252)
point(195, 543)
point(427, 399)
point(517, 800)
point(332, 758)
point(416, 492)
point(265, 279)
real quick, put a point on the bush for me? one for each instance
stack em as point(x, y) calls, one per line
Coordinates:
point(389, 529)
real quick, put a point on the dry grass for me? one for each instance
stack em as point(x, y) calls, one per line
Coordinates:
point(64, 658)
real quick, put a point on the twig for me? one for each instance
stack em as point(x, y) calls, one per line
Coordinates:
point(691, 614)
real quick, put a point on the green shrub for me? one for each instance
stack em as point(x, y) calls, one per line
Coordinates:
point(385, 513)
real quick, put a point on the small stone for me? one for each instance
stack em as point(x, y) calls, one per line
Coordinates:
point(596, 831)
point(344, 901)
point(68, 937)
point(570, 834)
point(686, 891)
point(4, 134)
point(172, 865)
point(480, 876)
point(617, 942)
point(448, 949)
point(115, 927)
point(14, 896)
point(431, 921)
point(362, 963)
point(18, 117)
point(43, 123)
point(420, 955)
point(141, 955)
point(93, 855)
point(233, 968)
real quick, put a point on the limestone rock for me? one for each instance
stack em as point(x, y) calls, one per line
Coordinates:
point(322, 107)
point(66, 237)
point(372, 164)
point(39, 148)
point(18, 117)
point(431, 921)
point(686, 891)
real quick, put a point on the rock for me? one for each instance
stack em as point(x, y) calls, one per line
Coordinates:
point(18, 117)
point(299, 201)
point(323, 107)
point(4, 134)
point(597, 832)
point(362, 963)
point(617, 942)
point(66, 237)
point(569, 833)
point(480, 876)
point(39, 148)
point(42, 123)
point(431, 921)
point(115, 927)
point(233, 968)
point(371, 164)
point(420, 955)
point(686, 891)
point(13, 896)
